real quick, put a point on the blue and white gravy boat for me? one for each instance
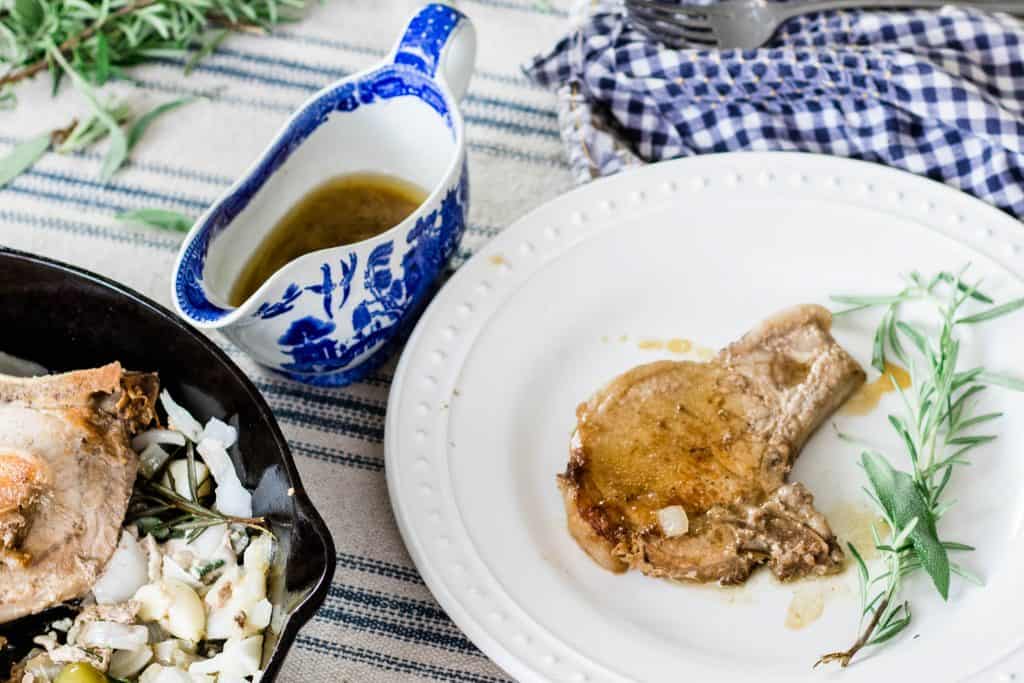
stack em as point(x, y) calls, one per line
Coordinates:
point(332, 316)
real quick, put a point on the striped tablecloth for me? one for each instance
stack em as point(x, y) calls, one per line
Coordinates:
point(379, 622)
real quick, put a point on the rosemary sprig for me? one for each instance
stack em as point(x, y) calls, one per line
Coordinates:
point(168, 513)
point(94, 41)
point(935, 428)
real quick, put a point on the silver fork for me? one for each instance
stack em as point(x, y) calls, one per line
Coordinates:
point(748, 24)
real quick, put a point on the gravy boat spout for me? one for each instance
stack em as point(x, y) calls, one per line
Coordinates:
point(332, 316)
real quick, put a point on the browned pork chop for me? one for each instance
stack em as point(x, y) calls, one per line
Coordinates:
point(66, 473)
point(717, 439)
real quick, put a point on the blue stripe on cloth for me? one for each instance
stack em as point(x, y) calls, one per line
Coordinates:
point(347, 403)
point(162, 169)
point(88, 230)
point(516, 79)
point(402, 632)
point(420, 611)
point(405, 619)
point(17, 187)
point(498, 150)
point(117, 187)
point(336, 456)
point(390, 662)
point(370, 565)
point(344, 403)
point(311, 86)
point(277, 383)
point(336, 73)
point(330, 425)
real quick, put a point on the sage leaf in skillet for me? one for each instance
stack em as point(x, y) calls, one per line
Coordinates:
point(158, 218)
point(902, 500)
point(21, 158)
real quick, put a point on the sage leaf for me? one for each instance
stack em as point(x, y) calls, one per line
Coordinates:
point(21, 158)
point(117, 153)
point(29, 14)
point(158, 218)
point(902, 500)
point(140, 126)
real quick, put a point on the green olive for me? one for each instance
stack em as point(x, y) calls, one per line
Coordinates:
point(80, 672)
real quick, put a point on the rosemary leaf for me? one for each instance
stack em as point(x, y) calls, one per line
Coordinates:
point(1001, 380)
point(865, 301)
point(972, 292)
point(143, 122)
point(205, 49)
point(993, 313)
point(190, 458)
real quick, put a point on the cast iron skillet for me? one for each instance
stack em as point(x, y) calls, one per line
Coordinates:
point(66, 318)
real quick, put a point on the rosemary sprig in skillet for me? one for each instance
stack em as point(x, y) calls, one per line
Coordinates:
point(937, 427)
point(163, 512)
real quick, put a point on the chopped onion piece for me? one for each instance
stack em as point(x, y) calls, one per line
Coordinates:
point(167, 436)
point(152, 459)
point(127, 663)
point(178, 473)
point(113, 635)
point(175, 606)
point(673, 521)
point(232, 497)
point(173, 570)
point(239, 658)
point(258, 617)
point(158, 673)
point(179, 418)
point(220, 431)
point(126, 572)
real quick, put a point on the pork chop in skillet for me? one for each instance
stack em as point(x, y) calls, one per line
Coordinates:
point(715, 440)
point(66, 474)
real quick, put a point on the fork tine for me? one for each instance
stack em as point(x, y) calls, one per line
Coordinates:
point(667, 41)
point(722, 8)
point(670, 18)
point(662, 27)
point(696, 12)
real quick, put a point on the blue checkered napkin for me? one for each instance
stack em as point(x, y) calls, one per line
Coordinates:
point(937, 93)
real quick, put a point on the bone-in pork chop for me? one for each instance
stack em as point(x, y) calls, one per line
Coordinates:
point(66, 473)
point(717, 440)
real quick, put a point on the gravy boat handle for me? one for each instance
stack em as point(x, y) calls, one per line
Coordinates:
point(441, 42)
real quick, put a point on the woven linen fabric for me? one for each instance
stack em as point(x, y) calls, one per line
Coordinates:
point(379, 622)
point(939, 93)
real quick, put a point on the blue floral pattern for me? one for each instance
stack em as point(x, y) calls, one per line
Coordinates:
point(391, 294)
point(411, 75)
point(327, 334)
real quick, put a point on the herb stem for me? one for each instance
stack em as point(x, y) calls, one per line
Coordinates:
point(197, 514)
point(845, 656)
point(72, 42)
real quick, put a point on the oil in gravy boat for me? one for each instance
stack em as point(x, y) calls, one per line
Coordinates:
point(332, 316)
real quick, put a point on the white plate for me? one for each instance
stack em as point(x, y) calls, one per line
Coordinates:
point(483, 403)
